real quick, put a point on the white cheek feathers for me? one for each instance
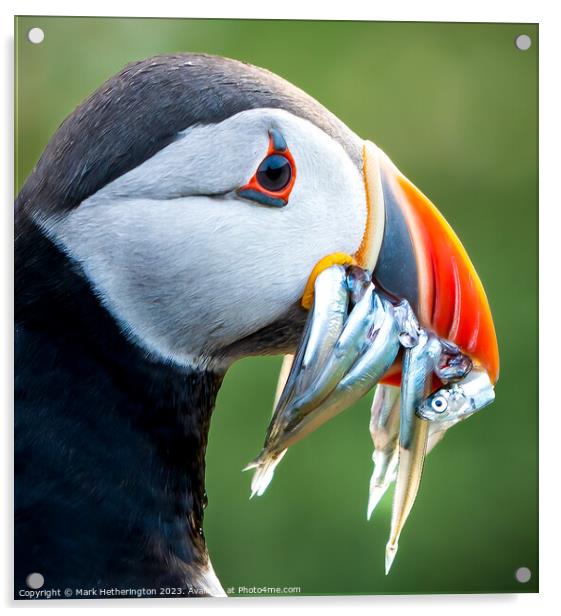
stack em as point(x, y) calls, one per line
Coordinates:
point(186, 266)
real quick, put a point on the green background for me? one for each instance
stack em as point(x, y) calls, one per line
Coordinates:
point(455, 106)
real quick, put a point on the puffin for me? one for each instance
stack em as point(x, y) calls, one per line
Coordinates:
point(169, 229)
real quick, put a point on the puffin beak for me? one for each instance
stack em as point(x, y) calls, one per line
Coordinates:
point(395, 313)
point(422, 260)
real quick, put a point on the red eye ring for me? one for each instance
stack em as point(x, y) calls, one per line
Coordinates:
point(276, 169)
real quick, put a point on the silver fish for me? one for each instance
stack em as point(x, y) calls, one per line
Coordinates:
point(265, 475)
point(322, 329)
point(456, 401)
point(286, 369)
point(384, 430)
point(384, 457)
point(329, 312)
point(265, 466)
point(418, 367)
point(364, 374)
point(452, 364)
point(384, 425)
point(352, 341)
point(341, 356)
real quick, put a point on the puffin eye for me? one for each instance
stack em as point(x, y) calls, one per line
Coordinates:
point(274, 173)
point(275, 176)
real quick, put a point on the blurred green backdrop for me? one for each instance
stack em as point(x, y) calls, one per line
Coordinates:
point(455, 106)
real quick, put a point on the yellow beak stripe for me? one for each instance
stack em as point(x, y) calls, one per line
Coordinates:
point(336, 258)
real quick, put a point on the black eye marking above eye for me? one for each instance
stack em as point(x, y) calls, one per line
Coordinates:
point(275, 176)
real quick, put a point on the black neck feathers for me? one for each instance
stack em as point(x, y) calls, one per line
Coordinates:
point(109, 442)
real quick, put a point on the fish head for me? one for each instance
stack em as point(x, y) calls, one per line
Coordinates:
point(438, 406)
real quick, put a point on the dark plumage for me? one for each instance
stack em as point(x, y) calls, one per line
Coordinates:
point(110, 445)
point(110, 442)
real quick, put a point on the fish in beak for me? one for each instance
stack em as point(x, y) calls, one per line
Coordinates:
point(407, 313)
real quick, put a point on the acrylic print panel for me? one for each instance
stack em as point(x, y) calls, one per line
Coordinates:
point(165, 237)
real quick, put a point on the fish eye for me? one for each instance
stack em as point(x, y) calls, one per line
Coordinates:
point(439, 404)
point(274, 173)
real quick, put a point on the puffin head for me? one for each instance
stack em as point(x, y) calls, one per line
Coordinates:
point(185, 210)
point(199, 193)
